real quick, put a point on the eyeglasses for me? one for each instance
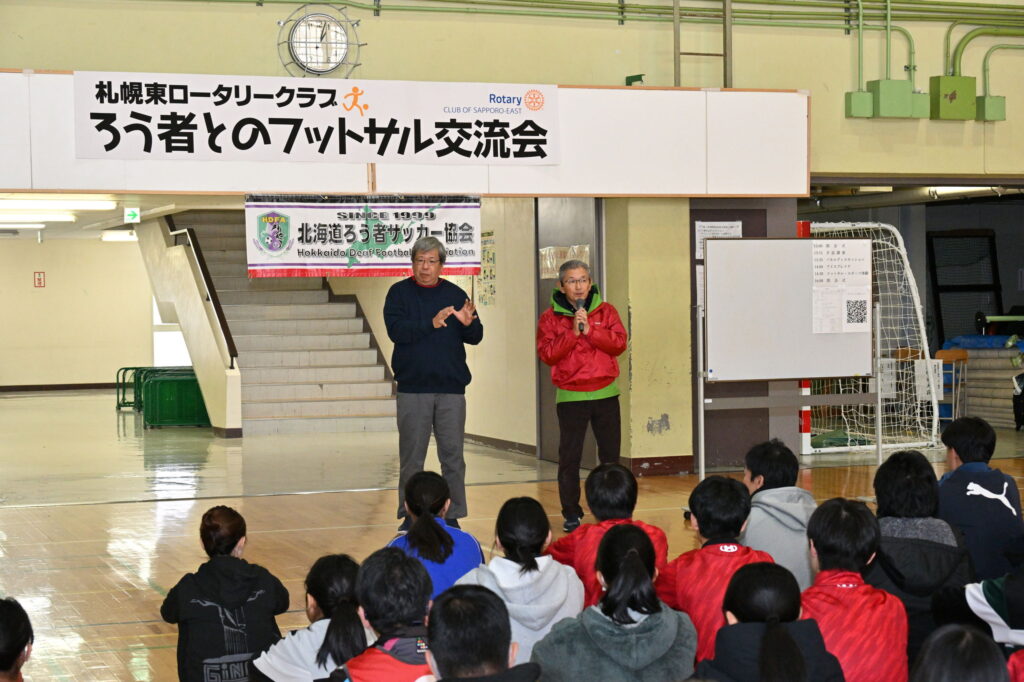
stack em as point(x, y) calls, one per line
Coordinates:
point(426, 261)
point(573, 282)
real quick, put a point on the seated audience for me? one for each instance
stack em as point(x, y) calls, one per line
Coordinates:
point(447, 553)
point(864, 627)
point(918, 554)
point(470, 638)
point(537, 590)
point(764, 640)
point(955, 653)
point(982, 502)
point(993, 606)
point(335, 633)
point(393, 590)
point(695, 581)
point(779, 510)
point(16, 639)
point(611, 492)
point(225, 610)
point(630, 634)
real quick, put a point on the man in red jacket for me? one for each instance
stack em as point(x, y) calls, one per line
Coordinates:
point(580, 336)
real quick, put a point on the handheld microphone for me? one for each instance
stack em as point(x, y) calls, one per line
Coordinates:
point(579, 306)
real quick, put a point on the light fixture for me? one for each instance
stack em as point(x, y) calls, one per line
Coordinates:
point(118, 236)
point(24, 226)
point(57, 204)
point(55, 217)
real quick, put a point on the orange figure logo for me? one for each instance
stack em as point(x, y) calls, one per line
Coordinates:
point(534, 100)
point(354, 104)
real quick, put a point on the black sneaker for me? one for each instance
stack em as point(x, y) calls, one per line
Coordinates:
point(571, 524)
point(453, 523)
point(406, 524)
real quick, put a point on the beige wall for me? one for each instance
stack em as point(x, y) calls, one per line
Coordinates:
point(648, 273)
point(94, 316)
point(169, 36)
point(502, 395)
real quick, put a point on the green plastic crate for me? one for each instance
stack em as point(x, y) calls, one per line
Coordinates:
point(173, 400)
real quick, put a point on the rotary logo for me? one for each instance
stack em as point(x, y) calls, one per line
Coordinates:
point(533, 100)
point(728, 548)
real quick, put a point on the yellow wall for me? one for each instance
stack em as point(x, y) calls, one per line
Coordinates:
point(502, 395)
point(648, 273)
point(94, 315)
point(240, 38)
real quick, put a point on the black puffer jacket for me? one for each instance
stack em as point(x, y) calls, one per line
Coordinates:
point(913, 567)
point(225, 615)
point(738, 650)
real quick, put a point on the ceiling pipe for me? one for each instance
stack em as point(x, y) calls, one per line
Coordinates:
point(900, 197)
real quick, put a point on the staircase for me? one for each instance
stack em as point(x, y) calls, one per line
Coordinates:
point(308, 364)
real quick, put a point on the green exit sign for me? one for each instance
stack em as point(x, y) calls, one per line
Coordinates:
point(132, 215)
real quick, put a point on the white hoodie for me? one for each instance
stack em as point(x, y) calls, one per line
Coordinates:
point(293, 658)
point(536, 600)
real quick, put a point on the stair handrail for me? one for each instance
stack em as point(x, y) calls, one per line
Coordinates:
point(211, 292)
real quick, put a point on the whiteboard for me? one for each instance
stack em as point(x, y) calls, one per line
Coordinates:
point(758, 315)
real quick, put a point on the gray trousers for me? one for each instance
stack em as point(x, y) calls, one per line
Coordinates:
point(445, 415)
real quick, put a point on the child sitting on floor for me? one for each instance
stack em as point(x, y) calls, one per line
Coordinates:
point(695, 581)
point(611, 491)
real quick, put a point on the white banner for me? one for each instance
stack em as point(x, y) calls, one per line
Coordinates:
point(257, 118)
point(357, 236)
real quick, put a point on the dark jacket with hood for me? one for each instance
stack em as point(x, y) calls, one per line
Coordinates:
point(592, 648)
point(225, 615)
point(738, 649)
point(916, 558)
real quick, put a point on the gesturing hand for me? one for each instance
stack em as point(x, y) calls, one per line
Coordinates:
point(442, 315)
point(466, 313)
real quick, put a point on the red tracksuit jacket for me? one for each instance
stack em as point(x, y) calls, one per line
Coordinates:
point(695, 583)
point(584, 362)
point(864, 627)
point(579, 550)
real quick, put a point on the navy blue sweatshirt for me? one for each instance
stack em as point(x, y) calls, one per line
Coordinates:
point(428, 360)
point(984, 504)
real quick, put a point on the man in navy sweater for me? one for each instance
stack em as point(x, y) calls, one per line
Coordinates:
point(982, 502)
point(430, 319)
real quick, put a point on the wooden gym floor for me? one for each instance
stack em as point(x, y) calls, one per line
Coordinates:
point(91, 551)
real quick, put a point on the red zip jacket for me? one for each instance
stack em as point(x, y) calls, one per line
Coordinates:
point(1016, 666)
point(864, 627)
point(695, 583)
point(579, 550)
point(584, 362)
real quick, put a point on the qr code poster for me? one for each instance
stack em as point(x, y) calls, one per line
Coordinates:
point(857, 310)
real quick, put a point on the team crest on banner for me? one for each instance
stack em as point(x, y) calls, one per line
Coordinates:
point(272, 233)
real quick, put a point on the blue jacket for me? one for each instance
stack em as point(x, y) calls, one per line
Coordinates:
point(466, 555)
point(984, 504)
point(425, 359)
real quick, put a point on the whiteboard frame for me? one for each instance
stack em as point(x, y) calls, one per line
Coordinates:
point(747, 287)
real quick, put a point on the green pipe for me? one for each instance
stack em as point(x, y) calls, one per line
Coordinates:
point(958, 53)
point(947, 68)
point(888, 39)
point(860, 45)
point(984, 63)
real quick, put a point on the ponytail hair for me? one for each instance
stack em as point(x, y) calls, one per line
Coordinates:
point(768, 593)
point(625, 558)
point(426, 494)
point(332, 583)
point(522, 529)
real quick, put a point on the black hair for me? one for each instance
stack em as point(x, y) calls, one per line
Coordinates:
point(331, 581)
point(220, 530)
point(773, 460)
point(394, 590)
point(768, 593)
point(469, 632)
point(611, 492)
point(426, 494)
point(972, 438)
point(625, 558)
point(959, 653)
point(721, 506)
point(522, 529)
point(15, 633)
point(906, 487)
point(845, 534)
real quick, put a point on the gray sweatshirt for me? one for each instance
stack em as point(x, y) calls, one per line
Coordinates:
point(536, 600)
point(778, 525)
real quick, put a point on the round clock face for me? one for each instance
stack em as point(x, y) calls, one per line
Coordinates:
point(318, 43)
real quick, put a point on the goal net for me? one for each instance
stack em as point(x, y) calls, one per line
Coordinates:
point(908, 380)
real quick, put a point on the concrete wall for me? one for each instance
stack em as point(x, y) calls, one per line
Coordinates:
point(94, 315)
